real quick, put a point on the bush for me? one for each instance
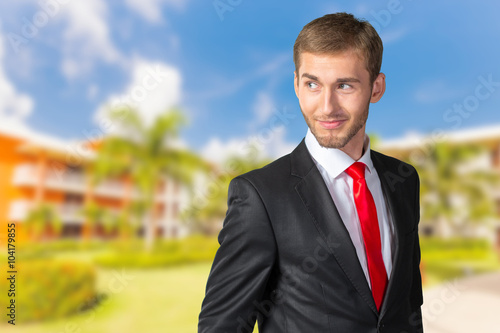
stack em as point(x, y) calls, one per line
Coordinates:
point(46, 289)
point(445, 259)
point(164, 254)
point(435, 249)
point(46, 250)
point(438, 244)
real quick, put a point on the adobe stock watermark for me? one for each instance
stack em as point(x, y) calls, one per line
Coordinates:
point(435, 307)
point(223, 6)
point(31, 26)
point(471, 103)
point(403, 173)
point(456, 114)
point(382, 18)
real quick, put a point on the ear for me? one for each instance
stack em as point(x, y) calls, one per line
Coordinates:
point(296, 83)
point(378, 88)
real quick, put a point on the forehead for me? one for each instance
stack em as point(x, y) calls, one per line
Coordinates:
point(343, 64)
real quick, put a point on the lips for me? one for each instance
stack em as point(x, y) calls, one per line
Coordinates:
point(331, 124)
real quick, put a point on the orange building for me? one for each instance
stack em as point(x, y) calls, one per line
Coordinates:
point(38, 169)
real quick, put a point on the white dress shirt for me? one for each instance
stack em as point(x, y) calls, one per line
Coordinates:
point(332, 164)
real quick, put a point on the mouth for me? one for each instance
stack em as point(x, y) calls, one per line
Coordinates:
point(331, 124)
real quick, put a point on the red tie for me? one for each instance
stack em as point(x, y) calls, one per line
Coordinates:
point(367, 213)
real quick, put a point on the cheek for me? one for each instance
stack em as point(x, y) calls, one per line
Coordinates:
point(307, 103)
point(355, 104)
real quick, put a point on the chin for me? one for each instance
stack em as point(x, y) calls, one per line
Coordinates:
point(330, 141)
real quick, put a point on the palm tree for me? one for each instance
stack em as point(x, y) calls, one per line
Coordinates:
point(129, 219)
point(206, 215)
point(146, 155)
point(96, 215)
point(452, 194)
point(40, 218)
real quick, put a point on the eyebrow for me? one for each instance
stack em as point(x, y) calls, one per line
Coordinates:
point(339, 80)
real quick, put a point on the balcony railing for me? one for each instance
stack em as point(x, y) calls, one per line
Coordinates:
point(18, 210)
point(67, 212)
point(69, 181)
point(75, 182)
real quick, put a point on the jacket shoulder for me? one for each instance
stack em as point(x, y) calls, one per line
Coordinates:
point(390, 161)
point(270, 173)
point(394, 165)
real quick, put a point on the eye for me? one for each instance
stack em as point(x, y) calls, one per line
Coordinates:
point(312, 85)
point(344, 86)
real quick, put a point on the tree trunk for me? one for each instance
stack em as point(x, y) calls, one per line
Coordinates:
point(150, 225)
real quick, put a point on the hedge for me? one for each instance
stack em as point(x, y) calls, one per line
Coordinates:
point(47, 289)
point(164, 254)
point(434, 249)
point(469, 244)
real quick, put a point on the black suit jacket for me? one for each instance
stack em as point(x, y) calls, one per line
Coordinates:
point(286, 258)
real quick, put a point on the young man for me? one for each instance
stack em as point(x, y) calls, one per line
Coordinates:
point(323, 239)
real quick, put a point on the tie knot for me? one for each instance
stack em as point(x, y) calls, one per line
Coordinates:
point(356, 170)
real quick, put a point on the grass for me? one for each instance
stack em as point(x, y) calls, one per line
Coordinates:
point(155, 300)
point(444, 260)
point(436, 271)
point(169, 299)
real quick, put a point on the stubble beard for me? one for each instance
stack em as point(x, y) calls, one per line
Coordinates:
point(334, 141)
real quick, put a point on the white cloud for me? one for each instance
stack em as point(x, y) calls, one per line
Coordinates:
point(435, 90)
point(154, 88)
point(263, 108)
point(270, 144)
point(2, 45)
point(86, 37)
point(279, 146)
point(14, 106)
point(151, 10)
point(218, 151)
point(274, 65)
point(83, 37)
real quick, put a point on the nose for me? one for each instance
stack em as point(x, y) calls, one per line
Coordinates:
point(330, 102)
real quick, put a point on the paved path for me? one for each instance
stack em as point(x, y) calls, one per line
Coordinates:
point(467, 305)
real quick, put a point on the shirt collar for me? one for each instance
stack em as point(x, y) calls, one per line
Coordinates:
point(334, 160)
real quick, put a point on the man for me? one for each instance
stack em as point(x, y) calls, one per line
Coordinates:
point(323, 239)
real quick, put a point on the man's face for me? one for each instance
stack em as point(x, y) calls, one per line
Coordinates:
point(334, 93)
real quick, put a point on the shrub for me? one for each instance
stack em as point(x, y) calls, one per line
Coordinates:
point(438, 244)
point(445, 259)
point(435, 249)
point(164, 254)
point(46, 250)
point(47, 289)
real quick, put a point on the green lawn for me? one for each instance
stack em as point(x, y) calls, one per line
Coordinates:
point(169, 299)
point(156, 300)
point(438, 271)
point(449, 259)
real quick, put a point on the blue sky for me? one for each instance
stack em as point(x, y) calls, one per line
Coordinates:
point(231, 69)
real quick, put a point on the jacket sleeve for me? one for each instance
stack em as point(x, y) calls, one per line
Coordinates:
point(242, 265)
point(416, 289)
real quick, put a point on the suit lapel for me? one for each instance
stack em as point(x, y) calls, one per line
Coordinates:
point(316, 197)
